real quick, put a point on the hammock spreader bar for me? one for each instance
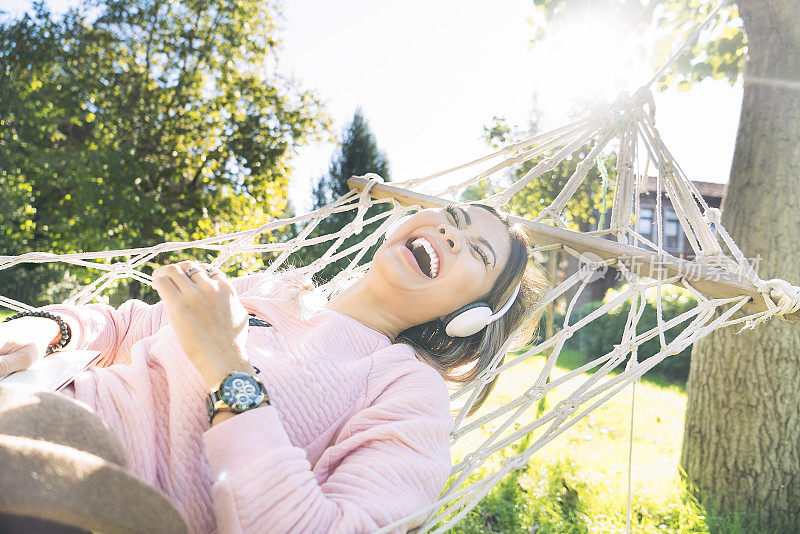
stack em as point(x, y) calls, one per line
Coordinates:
point(710, 280)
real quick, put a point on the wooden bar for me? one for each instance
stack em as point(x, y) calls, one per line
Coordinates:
point(711, 281)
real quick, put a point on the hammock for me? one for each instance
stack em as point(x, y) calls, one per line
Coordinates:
point(725, 285)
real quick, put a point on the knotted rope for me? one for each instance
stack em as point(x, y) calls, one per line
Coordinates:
point(780, 297)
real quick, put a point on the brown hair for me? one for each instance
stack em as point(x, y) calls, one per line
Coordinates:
point(448, 354)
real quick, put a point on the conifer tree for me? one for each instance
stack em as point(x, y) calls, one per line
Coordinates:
point(358, 155)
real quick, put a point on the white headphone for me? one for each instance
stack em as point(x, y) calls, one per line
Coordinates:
point(474, 317)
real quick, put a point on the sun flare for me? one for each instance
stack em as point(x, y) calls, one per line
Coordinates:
point(588, 60)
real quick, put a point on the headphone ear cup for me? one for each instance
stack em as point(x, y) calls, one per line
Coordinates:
point(467, 320)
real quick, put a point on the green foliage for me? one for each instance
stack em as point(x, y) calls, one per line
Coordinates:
point(719, 52)
point(40, 283)
point(153, 121)
point(599, 336)
point(14, 207)
point(578, 483)
point(144, 122)
point(568, 492)
point(497, 133)
point(515, 506)
point(582, 212)
point(740, 522)
point(357, 155)
point(30, 283)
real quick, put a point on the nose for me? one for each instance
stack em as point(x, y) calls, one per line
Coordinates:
point(452, 237)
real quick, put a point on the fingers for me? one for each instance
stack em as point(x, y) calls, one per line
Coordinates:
point(213, 272)
point(217, 276)
point(164, 282)
point(189, 279)
point(192, 274)
point(176, 273)
point(18, 360)
point(202, 276)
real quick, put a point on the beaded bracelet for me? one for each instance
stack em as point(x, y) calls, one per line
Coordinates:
point(63, 328)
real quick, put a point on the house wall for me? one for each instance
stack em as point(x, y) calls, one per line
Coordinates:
point(675, 243)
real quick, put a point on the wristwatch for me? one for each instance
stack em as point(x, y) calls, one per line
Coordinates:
point(237, 393)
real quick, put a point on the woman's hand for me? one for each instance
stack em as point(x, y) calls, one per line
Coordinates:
point(208, 319)
point(23, 341)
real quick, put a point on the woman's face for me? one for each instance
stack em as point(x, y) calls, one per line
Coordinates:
point(439, 260)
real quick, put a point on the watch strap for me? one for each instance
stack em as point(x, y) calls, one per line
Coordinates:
point(211, 405)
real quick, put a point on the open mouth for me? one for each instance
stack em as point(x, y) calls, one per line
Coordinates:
point(425, 255)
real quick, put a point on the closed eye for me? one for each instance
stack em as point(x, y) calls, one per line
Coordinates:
point(454, 214)
point(482, 254)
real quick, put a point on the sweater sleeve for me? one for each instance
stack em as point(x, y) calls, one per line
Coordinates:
point(389, 460)
point(114, 331)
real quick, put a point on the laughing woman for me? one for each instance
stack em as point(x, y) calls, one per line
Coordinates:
point(337, 421)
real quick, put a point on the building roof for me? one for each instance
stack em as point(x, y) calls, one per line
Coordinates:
point(706, 189)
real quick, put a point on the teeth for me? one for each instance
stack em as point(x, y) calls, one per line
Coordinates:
point(424, 243)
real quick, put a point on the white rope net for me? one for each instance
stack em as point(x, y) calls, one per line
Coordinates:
point(624, 130)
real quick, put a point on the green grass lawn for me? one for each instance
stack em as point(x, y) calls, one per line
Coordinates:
point(578, 482)
point(5, 312)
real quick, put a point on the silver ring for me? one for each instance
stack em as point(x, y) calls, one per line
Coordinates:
point(212, 271)
point(191, 271)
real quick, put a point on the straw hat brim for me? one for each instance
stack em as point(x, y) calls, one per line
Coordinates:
point(48, 477)
point(73, 487)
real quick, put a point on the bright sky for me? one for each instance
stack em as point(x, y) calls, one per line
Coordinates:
point(430, 74)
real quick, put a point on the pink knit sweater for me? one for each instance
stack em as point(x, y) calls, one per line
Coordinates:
point(356, 436)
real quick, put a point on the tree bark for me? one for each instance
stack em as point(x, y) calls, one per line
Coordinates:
point(741, 445)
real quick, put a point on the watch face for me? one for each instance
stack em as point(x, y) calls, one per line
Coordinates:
point(241, 391)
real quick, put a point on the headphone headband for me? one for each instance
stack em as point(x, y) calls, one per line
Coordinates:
point(507, 305)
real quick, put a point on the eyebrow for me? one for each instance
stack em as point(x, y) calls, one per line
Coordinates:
point(481, 239)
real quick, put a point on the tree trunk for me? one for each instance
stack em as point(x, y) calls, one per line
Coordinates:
point(741, 445)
